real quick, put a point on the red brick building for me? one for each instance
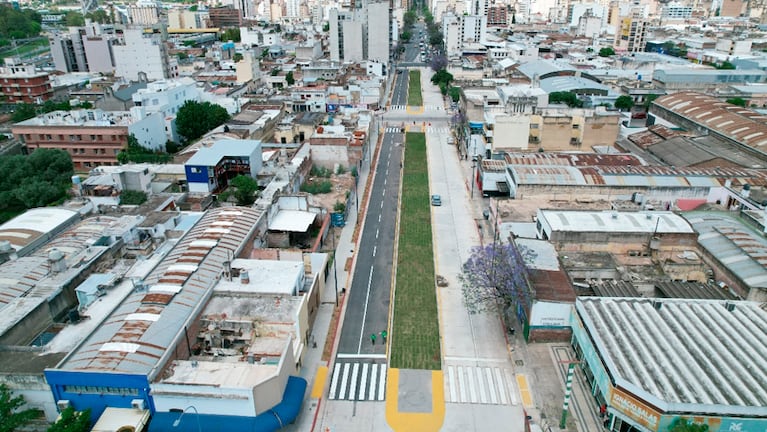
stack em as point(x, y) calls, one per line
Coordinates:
point(91, 137)
point(23, 84)
point(497, 16)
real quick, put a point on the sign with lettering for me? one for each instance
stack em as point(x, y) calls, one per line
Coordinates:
point(635, 409)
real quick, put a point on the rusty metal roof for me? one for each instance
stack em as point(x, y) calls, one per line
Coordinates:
point(135, 337)
point(743, 125)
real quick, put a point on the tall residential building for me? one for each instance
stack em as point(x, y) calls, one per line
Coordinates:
point(293, 9)
point(459, 30)
point(589, 25)
point(184, 19)
point(144, 12)
point(498, 16)
point(360, 34)
point(143, 54)
point(166, 97)
point(224, 17)
point(84, 49)
point(20, 83)
point(246, 8)
point(630, 37)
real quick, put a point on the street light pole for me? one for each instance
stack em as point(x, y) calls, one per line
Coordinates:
point(183, 413)
point(473, 176)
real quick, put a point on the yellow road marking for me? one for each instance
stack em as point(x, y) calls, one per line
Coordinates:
point(524, 391)
point(415, 422)
point(319, 382)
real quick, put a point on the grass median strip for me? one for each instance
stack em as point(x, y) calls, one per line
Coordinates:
point(415, 339)
point(414, 97)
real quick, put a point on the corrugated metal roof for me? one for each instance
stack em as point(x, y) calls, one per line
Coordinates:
point(735, 245)
point(614, 221)
point(153, 338)
point(699, 356)
point(692, 290)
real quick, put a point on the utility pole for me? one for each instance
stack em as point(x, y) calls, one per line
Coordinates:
point(568, 391)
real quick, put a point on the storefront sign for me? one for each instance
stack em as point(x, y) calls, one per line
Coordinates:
point(634, 409)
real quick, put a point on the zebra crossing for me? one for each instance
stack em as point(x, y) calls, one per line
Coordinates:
point(479, 385)
point(438, 129)
point(425, 108)
point(358, 381)
point(393, 130)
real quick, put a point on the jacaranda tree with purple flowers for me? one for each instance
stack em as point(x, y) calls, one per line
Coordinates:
point(495, 277)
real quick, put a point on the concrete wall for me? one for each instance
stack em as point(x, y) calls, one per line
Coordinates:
point(510, 132)
point(35, 390)
point(596, 192)
point(328, 156)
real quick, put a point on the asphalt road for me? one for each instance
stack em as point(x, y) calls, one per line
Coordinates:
point(367, 311)
point(399, 91)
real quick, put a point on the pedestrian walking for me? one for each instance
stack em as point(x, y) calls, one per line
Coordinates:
point(383, 336)
point(373, 338)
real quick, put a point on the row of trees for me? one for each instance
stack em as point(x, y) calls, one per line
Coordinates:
point(19, 24)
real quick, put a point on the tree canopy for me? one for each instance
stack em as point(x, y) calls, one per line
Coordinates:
point(494, 276)
point(39, 179)
point(12, 414)
point(194, 119)
point(231, 34)
point(72, 421)
point(624, 103)
point(245, 188)
point(726, 65)
point(23, 112)
point(130, 197)
point(100, 16)
point(565, 97)
point(18, 24)
point(135, 152)
point(74, 19)
point(289, 78)
point(606, 52)
point(737, 101)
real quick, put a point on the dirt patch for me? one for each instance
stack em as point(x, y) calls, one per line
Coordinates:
point(523, 210)
point(342, 185)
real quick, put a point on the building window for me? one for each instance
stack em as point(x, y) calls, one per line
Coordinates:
point(576, 126)
point(533, 125)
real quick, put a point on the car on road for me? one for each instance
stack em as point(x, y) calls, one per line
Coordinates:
point(436, 200)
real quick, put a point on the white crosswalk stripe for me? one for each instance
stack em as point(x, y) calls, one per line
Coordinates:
point(358, 381)
point(398, 108)
point(434, 108)
point(478, 385)
point(438, 129)
point(393, 130)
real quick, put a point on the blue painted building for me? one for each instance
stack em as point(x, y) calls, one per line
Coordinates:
point(211, 168)
point(116, 365)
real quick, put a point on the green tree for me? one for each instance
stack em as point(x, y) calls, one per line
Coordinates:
point(17, 24)
point(606, 52)
point(100, 16)
point(726, 66)
point(194, 119)
point(737, 101)
point(182, 55)
point(72, 421)
point(23, 112)
point(624, 103)
point(193, 8)
point(565, 97)
point(684, 425)
point(409, 18)
point(648, 100)
point(405, 36)
point(12, 416)
point(326, 27)
point(237, 57)
point(231, 34)
point(442, 76)
point(130, 197)
point(135, 152)
point(245, 188)
point(74, 19)
point(289, 78)
point(454, 93)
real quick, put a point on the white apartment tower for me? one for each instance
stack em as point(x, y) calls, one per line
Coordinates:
point(144, 13)
point(142, 54)
point(360, 34)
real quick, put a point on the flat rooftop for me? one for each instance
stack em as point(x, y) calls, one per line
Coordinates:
point(692, 356)
point(219, 374)
point(32, 224)
point(614, 221)
point(265, 277)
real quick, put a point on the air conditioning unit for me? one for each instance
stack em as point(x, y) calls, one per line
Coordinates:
point(138, 404)
point(63, 404)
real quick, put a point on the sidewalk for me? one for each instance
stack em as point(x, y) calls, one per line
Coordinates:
point(313, 363)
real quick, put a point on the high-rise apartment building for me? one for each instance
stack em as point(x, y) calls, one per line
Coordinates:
point(630, 37)
point(144, 12)
point(143, 54)
point(363, 33)
point(84, 49)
